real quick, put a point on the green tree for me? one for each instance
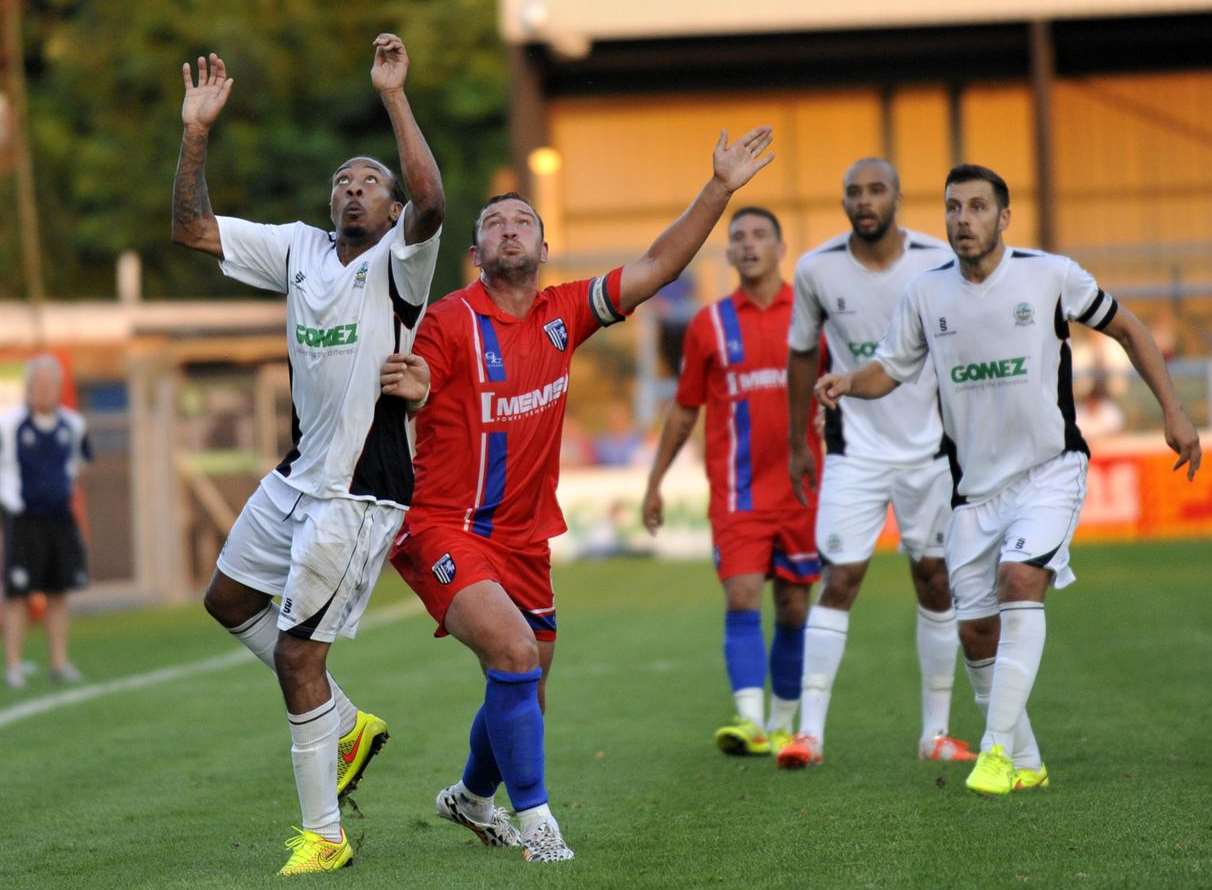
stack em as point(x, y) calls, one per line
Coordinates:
point(104, 96)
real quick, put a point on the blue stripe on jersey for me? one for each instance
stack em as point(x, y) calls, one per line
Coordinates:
point(494, 485)
point(733, 342)
point(805, 567)
point(743, 468)
point(541, 622)
point(494, 362)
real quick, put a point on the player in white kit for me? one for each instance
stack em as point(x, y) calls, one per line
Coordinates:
point(317, 530)
point(876, 453)
point(994, 327)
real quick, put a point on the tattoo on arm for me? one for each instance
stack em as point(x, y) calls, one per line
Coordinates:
point(193, 220)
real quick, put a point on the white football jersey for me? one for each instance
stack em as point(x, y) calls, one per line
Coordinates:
point(855, 305)
point(1000, 352)
point(341, 324)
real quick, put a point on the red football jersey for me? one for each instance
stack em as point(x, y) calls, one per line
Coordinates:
point(734, 361)
point(488, 441)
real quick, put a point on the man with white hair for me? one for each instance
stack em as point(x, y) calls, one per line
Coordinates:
point(42, 445)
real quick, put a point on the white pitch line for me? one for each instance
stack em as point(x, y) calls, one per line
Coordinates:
point(53, 702)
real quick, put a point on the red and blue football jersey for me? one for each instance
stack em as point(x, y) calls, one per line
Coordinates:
point(488, 441)
point(734, 361)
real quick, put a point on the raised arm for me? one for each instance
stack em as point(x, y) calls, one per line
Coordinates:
point(194, 223)
point(1136, 340)
point(733, 165)
point(679, 424)
point(422, 180)
point(801, 377)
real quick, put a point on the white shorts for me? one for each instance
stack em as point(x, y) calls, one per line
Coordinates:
point(321, 555)
point(853, 507)
point(1031, 520)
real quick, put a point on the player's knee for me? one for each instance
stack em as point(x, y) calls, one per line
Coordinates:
point(930, 583)
point(517, 655)
point(1019, 582)
point(841, 588)
point(231, 603)
point(979, 638)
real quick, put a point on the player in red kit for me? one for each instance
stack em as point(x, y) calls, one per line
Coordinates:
point(474, 545)
point(734, 361)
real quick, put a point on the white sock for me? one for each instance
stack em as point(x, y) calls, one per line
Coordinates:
point(937, 642)
point(782, 713)
point(1019, 650)
point(479, 808)
point(260, 635)
point(313, 751)
point(534, 817)
point(1026, 750)
point(824, 643)
point(750, 705)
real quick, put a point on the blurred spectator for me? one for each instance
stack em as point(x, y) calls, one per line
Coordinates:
point(1097, 414)
point(42, 444)
point(675, 306)
point(619, 445)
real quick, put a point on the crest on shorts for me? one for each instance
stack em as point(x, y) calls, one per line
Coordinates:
point(444, 569)
point(557, 333)
point(1024, 314)
point(834, 542)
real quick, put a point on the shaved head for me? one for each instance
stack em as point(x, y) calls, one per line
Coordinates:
point(889, 172)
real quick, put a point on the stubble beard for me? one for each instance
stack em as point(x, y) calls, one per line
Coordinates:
point(885, 223)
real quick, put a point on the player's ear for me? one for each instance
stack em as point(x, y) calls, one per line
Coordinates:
point(1003, 219)
point(782, 250)
point(543, 253)
point(394, 213)
point(473, 253)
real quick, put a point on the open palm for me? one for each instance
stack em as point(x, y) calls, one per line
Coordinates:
point(204, 100)
point(736, 164)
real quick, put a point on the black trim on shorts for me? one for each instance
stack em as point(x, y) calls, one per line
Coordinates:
point(1041, 561)
point(305, 629)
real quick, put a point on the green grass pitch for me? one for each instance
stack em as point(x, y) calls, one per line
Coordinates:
point(188, 783)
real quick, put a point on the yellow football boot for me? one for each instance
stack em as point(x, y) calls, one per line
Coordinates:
point(355, 749)
point(742, 737)
point(993, 774)
point(311, 853)
point(1031, 779)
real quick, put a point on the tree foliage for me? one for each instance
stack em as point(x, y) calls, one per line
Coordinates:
point(105, 90)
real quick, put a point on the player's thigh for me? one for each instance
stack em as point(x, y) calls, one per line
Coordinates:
point(256, 553)
point(972, 544)
point(526, 577)
point(336, 556)
point(1044, 519)
point(852, 508)
point(742, 548)
point(484, 618)
point(921, 500)
point(437, 563)
point(794, 559)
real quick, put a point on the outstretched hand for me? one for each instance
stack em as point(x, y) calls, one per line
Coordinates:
point(204, 101)
point(736, 164)
point(390, 67)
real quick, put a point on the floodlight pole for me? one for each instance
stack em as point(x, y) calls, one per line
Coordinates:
point(1043, 74)
point(27, 208)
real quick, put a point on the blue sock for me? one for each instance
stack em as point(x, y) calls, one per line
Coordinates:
point(481, 775)
point(515, 727)
point(787, 661)
point(745, 649)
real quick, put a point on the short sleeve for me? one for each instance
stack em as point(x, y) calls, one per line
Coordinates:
point(696, 355)
point(805, 312)
point(1083, 301)
point(903, 350)
point(255, 253)
point(410, 272)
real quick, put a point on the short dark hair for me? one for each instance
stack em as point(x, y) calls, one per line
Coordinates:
point(754, 210)
point(397, 188)
point(497, 199)
point(974, 172)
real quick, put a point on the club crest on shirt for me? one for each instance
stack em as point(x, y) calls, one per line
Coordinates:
point(557, 333)
point(444, 569)
point(360, 275)
point(1024, 314)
